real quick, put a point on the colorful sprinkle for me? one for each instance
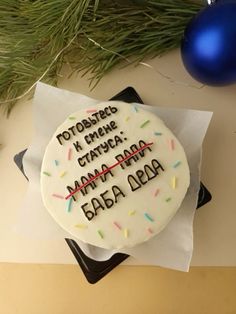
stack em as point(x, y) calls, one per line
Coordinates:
point(172, 144)
point(100, 233)
point(81, 226)
point(62, 174)
point(150, 230)
point(168, 199)
point(127, 119)
point(72, 118)
point(144, 124)
point(47, 173)
point(158, 133)
point(68, 206)
point(69, 154)
point(156, 192)
point(148, 217)
point(135, 108)
point(117, 225)
point(58, 196)
point(56, 162)
point(126, 233)
point(176, 164)
point(131, 212)
point(174, 182)
point(91, 110)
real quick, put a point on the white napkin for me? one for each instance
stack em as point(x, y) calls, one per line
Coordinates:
point(171, 248)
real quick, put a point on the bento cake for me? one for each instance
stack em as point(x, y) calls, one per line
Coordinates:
point(113, 175)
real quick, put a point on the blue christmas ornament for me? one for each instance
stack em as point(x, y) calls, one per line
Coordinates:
point(208, 47)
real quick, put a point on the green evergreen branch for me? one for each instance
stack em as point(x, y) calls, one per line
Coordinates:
point(107, 32)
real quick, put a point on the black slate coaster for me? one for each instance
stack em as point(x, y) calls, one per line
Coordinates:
point(96, 270)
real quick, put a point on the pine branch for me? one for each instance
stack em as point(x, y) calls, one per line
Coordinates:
point(106, 32)
point(131, 34)
point(32, 33)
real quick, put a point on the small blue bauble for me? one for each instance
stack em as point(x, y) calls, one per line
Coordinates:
point(208, 47)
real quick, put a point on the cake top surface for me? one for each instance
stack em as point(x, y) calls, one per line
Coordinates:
point(113, 175)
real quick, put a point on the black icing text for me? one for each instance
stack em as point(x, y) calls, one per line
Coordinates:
point(104, 201)
point(99, 150)
point(133, 148)
point(84, 124)
point(92, 184)
point(141, 177)
point(105, 129)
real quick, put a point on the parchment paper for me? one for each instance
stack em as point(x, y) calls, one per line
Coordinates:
point(171, 248)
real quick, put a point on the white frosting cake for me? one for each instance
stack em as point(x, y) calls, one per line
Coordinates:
point(113, 175)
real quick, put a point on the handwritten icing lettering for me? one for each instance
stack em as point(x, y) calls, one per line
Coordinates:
point(141, 177)
point(77, 146)
point(93, 184)
point(88, 213)
point(76, 187)
point(101, 131)
point(104, 201)
point(108, 201)
point(84, 124)
point(99, 150)
point(131, 150)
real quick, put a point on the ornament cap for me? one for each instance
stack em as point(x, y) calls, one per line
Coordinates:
point(210, 2)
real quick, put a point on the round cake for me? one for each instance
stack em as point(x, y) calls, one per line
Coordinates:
point(113, 175)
